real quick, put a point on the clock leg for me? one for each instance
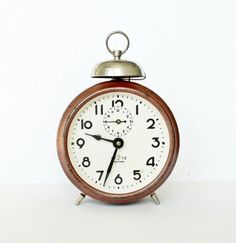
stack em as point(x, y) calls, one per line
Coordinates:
point(155, 198)
point(80, 199)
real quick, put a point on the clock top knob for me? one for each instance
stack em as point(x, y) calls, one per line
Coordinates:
point(118, 68)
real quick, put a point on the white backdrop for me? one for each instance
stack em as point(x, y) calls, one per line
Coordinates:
point(49, 47)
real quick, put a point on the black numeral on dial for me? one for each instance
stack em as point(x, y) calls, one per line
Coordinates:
point(118, 179)
point(137, 175)
point(117, 102)
point(137, 109)
point(80, 142)
point(152, 123)
point(86, 162)
point(86, 124)
point(100, 174)
point(99, 110)
point(156, 142)
point(151, 161)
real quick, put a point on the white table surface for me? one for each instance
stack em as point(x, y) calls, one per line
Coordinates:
point(189, 212)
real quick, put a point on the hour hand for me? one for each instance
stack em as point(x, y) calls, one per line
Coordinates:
point(98, 137)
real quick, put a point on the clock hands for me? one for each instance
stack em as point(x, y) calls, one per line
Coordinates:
point(98, 137)
point(117, 121)
point(117, 143)
point(110, 166)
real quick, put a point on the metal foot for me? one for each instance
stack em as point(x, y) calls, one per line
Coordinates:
point(155, 198)
point(80, 199)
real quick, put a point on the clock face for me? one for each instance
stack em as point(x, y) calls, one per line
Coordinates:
point(118, 142)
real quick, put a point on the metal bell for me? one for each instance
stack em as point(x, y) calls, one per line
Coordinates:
point(118, 68)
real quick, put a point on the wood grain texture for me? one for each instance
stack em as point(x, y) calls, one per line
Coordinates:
point(79, 102)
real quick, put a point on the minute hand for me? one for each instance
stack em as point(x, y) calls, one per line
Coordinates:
point(110, 166)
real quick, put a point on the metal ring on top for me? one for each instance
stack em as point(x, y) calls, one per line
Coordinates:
point(113, 33)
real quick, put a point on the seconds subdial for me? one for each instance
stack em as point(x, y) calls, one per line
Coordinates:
point(118, 121)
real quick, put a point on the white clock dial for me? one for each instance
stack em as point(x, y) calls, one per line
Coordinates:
point(139, 152)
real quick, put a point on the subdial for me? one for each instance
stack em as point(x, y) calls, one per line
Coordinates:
point(118, 121)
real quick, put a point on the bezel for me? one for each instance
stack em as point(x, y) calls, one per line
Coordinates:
point(91, 93)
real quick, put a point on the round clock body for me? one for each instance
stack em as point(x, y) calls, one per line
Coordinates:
point(118, 141)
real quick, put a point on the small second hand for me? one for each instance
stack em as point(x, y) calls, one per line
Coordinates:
point(118, 121)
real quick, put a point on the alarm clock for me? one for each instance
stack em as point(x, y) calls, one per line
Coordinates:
point(118, 141)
